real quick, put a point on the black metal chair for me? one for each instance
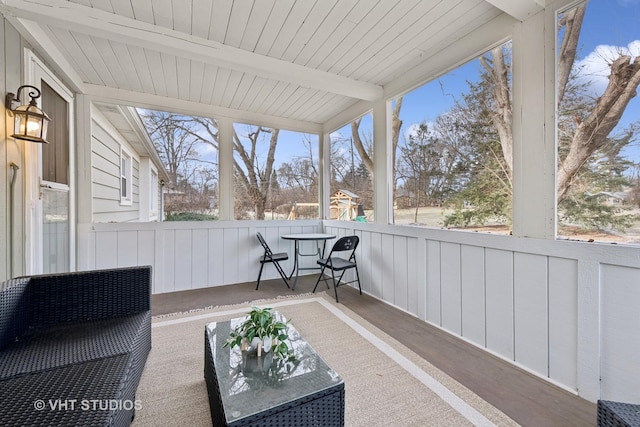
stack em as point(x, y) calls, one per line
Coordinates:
point(269, 256)
point(337, 263)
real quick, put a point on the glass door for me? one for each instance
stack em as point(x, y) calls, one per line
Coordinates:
point(54, 184)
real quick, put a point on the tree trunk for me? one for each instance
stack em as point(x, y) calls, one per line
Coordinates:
point(592, 133)
point(502, 116)
point(362, 151)
point(396, 124)
point(256, 182)
point(572, 23)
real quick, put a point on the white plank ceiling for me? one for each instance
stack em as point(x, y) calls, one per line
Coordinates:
point(299, 61)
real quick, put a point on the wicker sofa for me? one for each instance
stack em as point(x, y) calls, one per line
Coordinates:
point(73, 346)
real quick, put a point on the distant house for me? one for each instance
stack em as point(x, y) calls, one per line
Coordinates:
point(616, 198)
point(126, 171)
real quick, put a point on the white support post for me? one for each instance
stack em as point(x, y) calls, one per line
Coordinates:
point(83, 180)
point(325, 174)
point(225, 169)
point(383, 181)
point(533, 129)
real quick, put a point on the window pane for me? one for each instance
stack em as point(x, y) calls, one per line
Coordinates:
point(276, 174)
point(351, 169)
point(55, 155)
point(597, 140)
point(452, 142)
point(125, 180)
point(188, 147)
point(55, 231)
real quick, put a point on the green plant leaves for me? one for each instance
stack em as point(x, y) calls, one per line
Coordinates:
point(261, 323)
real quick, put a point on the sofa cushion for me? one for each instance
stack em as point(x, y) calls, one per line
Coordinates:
point(94, 393)
point(14, 311)
point(70, 343)
point(86, 295)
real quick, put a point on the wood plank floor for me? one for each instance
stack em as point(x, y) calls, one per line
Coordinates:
point(527, 399)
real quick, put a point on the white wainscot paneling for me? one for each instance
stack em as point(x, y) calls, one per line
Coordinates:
point(200, 260)
point(499, 295)
point(388, 287)
point(377, 255)
point(451, 288)
point(434, 313)
point(146, 247)
point(215, 262)
point(127, 249)
point(168, 264)
point(565, 311)
point(107, 250)
point(415, 286)
point(620, 333)
point(182, 259)
point(531, 326)
point(400, 266)
point(363, 258)
point(563, 321)
point(473, 294)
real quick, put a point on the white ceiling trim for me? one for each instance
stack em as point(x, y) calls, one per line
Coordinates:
point(155, 102)
point(114, 27)
point(519, 9)
point(48, 51)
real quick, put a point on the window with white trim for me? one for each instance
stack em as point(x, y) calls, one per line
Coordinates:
point(125, 178)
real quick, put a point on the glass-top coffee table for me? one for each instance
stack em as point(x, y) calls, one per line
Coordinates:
point(245, 390)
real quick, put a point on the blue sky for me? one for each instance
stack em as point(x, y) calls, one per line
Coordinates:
point(609, 27)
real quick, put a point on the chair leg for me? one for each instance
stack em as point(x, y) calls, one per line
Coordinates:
point(282, 274)
point(358, 277)
point(260, 274)
point(318, 281)
point(335, 286)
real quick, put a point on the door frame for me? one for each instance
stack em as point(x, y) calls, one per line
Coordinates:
point(34, 72)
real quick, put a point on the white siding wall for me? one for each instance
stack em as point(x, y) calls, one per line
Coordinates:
point(105, 165)
point(565, 311)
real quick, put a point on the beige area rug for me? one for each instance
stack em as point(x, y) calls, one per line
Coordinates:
point(386, 384)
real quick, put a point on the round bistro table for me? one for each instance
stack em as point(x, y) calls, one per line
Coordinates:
point(299, 237)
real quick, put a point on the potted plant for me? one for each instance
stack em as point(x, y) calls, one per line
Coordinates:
point(261, 331)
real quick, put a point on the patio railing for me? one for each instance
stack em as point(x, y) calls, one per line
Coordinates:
point(565, 311)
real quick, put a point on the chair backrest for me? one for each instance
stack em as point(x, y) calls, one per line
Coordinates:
point(346, 243)
point(267, 250)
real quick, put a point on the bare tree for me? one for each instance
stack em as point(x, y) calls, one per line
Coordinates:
point(258, 177)
point(592, 131)
point(501, 114)
point(172, 135)
point(361, 147)
point(254, 175)
point(301, 173)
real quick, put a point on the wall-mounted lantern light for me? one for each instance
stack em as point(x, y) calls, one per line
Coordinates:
point(30, 122)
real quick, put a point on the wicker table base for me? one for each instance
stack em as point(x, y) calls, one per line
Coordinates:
point(617, 414)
